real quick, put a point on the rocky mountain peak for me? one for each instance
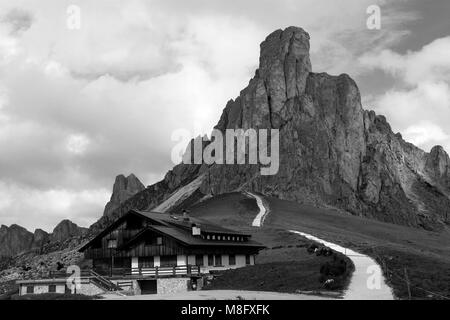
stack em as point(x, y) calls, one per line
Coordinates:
point(14, 239)
point(438, 165)
point(66, 229)
point(123, 189)
point(290, 48)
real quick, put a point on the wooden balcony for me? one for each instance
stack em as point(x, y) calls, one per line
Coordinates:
point(155, 272)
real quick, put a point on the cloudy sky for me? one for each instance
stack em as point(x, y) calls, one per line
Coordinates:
point(80, 105)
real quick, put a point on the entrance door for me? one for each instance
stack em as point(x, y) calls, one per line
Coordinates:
point(148, 286)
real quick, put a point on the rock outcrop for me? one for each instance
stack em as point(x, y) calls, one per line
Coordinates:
point(65, 230)
point(332, 151)
point(123, 189)
point(14, 239)
point(40, 238)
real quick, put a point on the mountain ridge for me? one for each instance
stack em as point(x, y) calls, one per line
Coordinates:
point(16, 239)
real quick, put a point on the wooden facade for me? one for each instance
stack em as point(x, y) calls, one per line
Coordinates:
point(152, 240)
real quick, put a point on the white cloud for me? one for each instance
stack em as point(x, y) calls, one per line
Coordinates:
point(425, 133)
point(42, 209)
point(430, 64)
point(420, 106)
point(77, 143)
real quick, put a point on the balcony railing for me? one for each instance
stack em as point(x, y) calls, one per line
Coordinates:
point(170, 271)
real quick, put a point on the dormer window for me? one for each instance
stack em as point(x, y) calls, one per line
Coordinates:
point(112, 243)
point(196, 231)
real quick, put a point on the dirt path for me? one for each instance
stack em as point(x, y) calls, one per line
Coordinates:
point(263, 211)
point(367, 282)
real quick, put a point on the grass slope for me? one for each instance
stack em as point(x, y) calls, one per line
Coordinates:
point(285, 266)
point(424, 254)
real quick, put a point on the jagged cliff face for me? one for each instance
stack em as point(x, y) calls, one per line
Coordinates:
point(332, 151)
point(14, 239)
point(123, 189)
point(66, 229)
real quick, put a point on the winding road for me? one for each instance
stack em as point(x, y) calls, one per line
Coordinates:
point(263, 211)
point(367, 282)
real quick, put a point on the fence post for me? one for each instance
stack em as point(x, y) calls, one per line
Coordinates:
point(407, 284)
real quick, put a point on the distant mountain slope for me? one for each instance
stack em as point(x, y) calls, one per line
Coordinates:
point(16, 240)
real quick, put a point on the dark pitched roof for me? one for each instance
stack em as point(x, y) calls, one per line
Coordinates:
point(179, 222)
point(187, 239)
point(177, 228)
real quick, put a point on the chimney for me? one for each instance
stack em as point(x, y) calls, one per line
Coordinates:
point(196, 230)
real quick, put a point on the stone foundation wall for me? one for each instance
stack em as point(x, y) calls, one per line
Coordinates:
point(90, 289)
point(173, 285)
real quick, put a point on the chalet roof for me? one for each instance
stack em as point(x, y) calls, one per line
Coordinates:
point(188, 239)
point(206, 226)
point(177, 228)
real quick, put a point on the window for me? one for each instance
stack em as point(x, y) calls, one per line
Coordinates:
point(159, 241)
point(30, 289)
point(112, 243)
point(213, 237)
point(247, 259)
point(145, 262)
point(208, 237)
point(52, 288)
point(168, 261)
point(232, 259)
point(218, 260)
point(199, 260)
point(210, 260)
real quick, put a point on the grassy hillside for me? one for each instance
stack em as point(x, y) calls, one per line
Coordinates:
point(424, 254)
point(285, 265)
